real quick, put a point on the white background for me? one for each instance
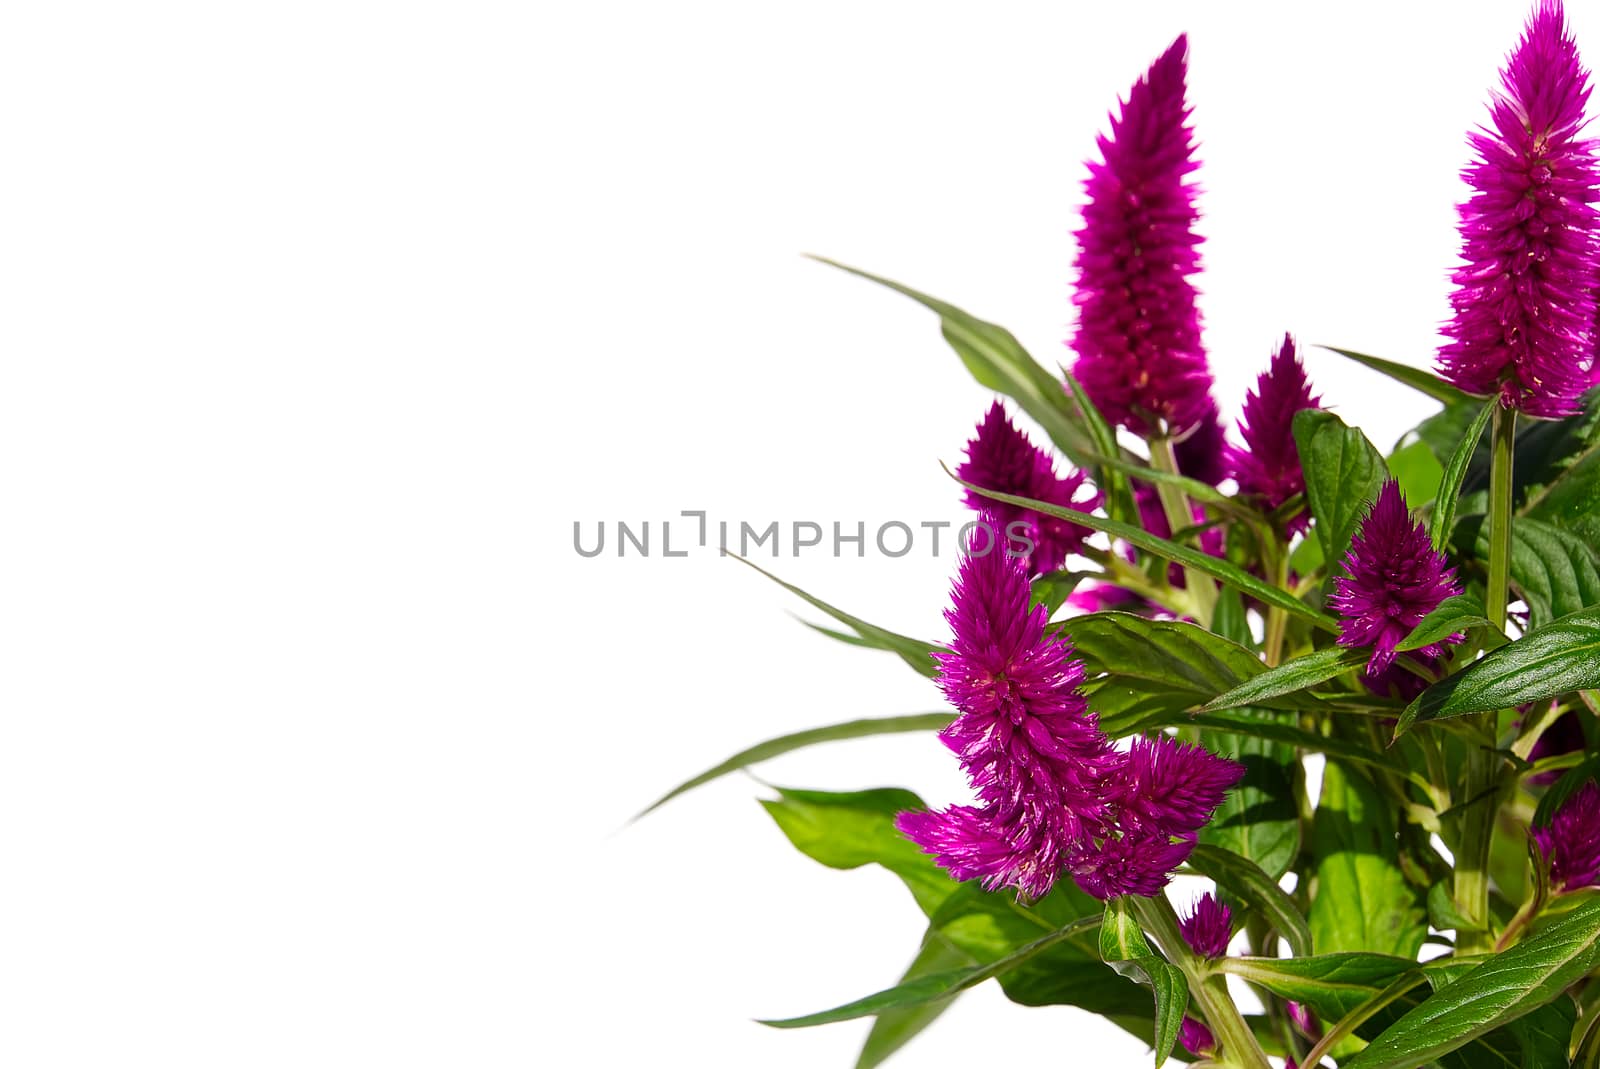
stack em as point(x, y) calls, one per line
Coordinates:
point(322, 324)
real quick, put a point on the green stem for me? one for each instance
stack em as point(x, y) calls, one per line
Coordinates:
point(1482, 767)
point(1207, 988)
point(1277, 617)
point(1175, 503)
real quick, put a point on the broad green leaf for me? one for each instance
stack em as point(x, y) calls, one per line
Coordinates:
point(1331, 984)
point(765, 751)
point(1291, 677)
point(915, 652)
point(855, 828)
point(1053, 588)
point(1418, 471)
point(1124, 947)
point(1554, 570)
point(1363, 901)
point(1414, 377)
point(1547, 662)
point(1573, 501)
point(1443, 520)
point(1215, 567)
point(995, 358)
point(1247, 881)
point(934, 987)
point(896, 1027)
point(1343, 475)
point(1174, 655)
point(1259, 820)
point(1454, 615)
point(1500, 990)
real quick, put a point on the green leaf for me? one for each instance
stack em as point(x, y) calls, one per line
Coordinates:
point(1414, 377)
point(1291, 677)
point(1500, 990)
point(915, 652)
point(765, 751)
point(1331, 984)
point(934, 987)
point(1259, 820)
point(1246, 880)
point(1215, 567)
point(995, 358)
point(1418, 472)
point(1547, 662)
point(1363, 901)
point(896, 1027)
point(1343, 475)
point(855, 828)
point(1174, 655)
point(1573, 501)
point(1110, 474)
point(1554, 570)
point(1456, 615)
point(1124, 948)
point(1053, 588)
point(1243, 722)
point(1228, 617)
point(1443, 520)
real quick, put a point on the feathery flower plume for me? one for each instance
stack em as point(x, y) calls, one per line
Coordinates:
point(1196, 1038)
point(1394, 577)
point(1138, 335)
point(1525, 305)
point(1208, 929)
point(1002, 458)
point(1570, 843)
point(1033, 752)
point(1267, 466)
point(1132, 861)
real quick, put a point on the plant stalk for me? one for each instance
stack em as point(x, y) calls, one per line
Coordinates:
point(1482, 766)
point(1175, 503)
point(1207, 989)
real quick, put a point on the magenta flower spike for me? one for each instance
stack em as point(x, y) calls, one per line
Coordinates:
point(1524, 320)
point(1208, 928)
point(1394, 577)
point(1139, 355)
point(1267, 466)
point(1570, 843)
point(1033, 752)
point(1000, 457)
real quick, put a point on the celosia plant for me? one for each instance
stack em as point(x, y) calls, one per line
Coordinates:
point(1354, 692)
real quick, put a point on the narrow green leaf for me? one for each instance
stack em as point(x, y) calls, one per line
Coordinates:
point(1363, 900)
point(995, 358)
point(1291, 677)
point(1500, 990)
point(1331, 984)
point(1110, 470)
point(1414, 377)
point(1215, 567)
point(1124, 948)
point(1247, 880)
point(1443, 520)
point(896, 1027)
point(915, 652)
point(1228, 617)
point(1239, 722)
point(1453, 616)
point(1343, 474)
point(935, 987)
point(1547, 662)
point(765, 751)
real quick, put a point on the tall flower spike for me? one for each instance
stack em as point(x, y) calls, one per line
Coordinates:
point(1001, 458)
point(1138, 335)
point(1394, 578)
point(1525, 308)
point(1034, 753)
point(1267, 466)
point(1208, 929)
point(1570, 843)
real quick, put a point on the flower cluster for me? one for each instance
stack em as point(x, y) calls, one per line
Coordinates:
point(1054, 793)
point(1570, 842)
point(1267, 466)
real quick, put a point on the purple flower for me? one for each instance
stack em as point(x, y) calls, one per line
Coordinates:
point(1525, 304)
point(1001, 458)
point(1208, 929)
point(1395, 578)
point(1171, 786)
point(1034, 753)
point(1305, 1020)
point(1134, 861)
point(1267, 467)
point(1138, 335)
point(1202, 453)
point(1196, 1038)
point(1562, 737)
point(1094, 596)
point(1570, 843)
